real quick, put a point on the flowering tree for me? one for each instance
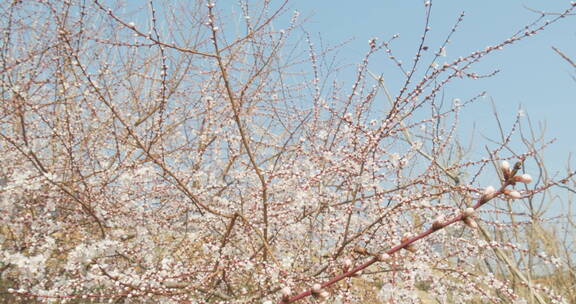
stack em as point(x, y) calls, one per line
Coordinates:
point(164, 154)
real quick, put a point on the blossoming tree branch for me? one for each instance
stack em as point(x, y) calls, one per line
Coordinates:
point(213, 152)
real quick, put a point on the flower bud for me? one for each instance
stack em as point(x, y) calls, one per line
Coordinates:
point(405, 237)
point(489, 193)
point(358, 273)
point(468, 212)
point(346, 265)
point(438, 222)
point(286, 292)
point(489, 190)
point(513, 194)
point(383, 257)
point(524, 178)
point(324, 295)
point(505, 167)
point(316, 288)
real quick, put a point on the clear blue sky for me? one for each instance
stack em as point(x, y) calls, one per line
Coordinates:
point(532, 74)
